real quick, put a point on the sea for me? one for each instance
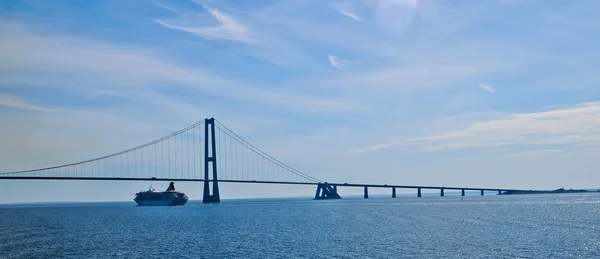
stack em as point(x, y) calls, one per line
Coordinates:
point(491, 226)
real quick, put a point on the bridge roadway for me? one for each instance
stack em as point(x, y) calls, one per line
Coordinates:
point(334, 185)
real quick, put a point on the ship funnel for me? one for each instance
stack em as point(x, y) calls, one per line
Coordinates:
point(171, 187)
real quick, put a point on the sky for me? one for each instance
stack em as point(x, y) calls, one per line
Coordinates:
point(498, 93)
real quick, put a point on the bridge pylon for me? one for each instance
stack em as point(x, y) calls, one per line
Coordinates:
point(326, 192)
point(210, 162)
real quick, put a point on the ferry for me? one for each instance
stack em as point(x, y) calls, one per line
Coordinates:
point(169, 197)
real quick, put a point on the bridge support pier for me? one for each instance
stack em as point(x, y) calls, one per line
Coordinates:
point(462, 193)
point(393, 192)
point(326, 192)
point(418, 192)
point(481, 192)
point(366, 192)
point(442, 192)
point(210, 158)
point(499, 192)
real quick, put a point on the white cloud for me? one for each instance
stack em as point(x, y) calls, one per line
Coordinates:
point(86, 65)
point(27, 50)
point(569, 127)
point(413, 76)
point(168, 8)
point(540, 152)
point(12, 101)
point(488, 88)
point(457, 145)
point(554, 153)
point(369, 149)
point(351, 15)
point(581, 140)
point(229, 28)
point(335, 62)
point(348, 10)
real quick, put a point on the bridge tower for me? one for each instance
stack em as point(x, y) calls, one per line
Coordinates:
point(210, 158)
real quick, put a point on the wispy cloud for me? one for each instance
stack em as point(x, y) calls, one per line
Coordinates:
point(461, 145)
point(567, 126)
point(351, 15)
point(488, 88)
point(540, 152)
point(335, 62)
point(369, 149)
point(13, 101)
point(348, 10)
point(168, 8)
point(552, 152)
point(65, 61)
point(229, 28)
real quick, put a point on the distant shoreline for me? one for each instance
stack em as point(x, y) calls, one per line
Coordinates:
point(561, 190)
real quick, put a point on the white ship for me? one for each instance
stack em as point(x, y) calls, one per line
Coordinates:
point(169, 197)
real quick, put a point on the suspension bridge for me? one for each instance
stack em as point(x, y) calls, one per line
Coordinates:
point(192, 153)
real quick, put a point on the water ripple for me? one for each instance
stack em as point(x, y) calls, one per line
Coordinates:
point(539, 226)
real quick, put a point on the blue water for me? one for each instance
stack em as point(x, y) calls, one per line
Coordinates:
point(540, 226)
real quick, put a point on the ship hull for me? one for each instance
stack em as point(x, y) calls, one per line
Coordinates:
point(160, 202)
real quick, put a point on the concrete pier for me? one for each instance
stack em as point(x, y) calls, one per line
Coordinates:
point(419, 192)
point(326, 191)
point(366, 192)
point(393, 192)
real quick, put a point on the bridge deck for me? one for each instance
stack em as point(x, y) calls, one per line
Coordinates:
point(252, 181)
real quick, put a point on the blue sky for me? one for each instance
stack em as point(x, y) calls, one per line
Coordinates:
point(498, 93)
